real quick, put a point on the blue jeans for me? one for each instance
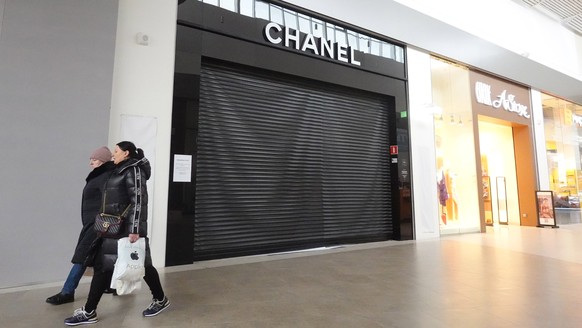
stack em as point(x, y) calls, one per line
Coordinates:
point(73, 279)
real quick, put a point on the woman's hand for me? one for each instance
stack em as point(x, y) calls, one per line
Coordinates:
point(133, 237)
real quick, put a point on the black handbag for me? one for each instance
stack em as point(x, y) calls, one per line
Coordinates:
point(108, 225)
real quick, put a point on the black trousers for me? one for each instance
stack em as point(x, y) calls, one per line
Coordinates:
point(102, 279)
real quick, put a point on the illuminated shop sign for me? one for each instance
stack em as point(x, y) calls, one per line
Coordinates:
point(504, 100)
point(276, 34)
point(577, 119)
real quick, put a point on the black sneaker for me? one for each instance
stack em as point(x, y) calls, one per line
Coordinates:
point(61, 298)
point(156, 307)
point(81, 317)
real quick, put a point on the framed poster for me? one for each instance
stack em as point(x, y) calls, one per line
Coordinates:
point(487, 200)
point(545, 208)
point(501, 200)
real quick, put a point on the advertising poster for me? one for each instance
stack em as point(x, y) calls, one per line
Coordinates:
point(545, 207)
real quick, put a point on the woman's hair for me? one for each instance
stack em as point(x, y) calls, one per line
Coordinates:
point(134, 152)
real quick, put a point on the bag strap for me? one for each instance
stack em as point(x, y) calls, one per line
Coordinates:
point(125, 211)
point(104, 198)
point(103, 206)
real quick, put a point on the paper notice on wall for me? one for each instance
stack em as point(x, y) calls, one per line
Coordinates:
point(182, 168)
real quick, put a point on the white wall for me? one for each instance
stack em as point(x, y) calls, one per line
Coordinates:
point(143, 81)
point(56, 66)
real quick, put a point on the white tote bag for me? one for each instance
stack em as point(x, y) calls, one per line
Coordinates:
point(129, 268)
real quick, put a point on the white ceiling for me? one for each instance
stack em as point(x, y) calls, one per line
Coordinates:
point(567, 12)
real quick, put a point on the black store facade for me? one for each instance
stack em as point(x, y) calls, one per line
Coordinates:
point(285, 138)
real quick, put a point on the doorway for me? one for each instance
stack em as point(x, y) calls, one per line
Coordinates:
point(499, 174)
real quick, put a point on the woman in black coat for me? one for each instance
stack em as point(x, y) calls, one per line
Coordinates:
point(102, 165)
point(125, 192)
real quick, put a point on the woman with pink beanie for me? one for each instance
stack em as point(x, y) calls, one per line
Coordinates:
point(100, 161)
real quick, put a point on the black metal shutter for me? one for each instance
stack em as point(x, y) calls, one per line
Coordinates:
point(285, 163)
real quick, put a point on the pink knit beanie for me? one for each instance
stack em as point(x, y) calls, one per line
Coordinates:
point(103, 154)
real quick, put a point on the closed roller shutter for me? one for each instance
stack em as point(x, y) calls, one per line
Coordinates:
point(285, 163)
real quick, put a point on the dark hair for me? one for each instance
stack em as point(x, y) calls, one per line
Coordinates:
point(134, 152)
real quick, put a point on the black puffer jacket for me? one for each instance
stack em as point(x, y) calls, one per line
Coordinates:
point(90, 205)
point(125, 194)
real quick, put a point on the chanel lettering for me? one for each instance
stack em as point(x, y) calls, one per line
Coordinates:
point(276, 34)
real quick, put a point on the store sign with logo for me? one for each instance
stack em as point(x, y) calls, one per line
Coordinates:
point(504, 100)
point(276, 34)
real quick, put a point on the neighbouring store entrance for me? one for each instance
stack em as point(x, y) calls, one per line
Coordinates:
point(484, 150)
point(500, 196)
point(563, 141)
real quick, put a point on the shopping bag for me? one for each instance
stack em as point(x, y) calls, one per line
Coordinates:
point(129, 268)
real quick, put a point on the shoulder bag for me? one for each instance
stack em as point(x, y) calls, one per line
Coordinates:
point(109, 225)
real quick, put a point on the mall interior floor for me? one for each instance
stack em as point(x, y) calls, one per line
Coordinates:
point(508, 277)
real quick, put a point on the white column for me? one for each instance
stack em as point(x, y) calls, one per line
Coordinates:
point(142, 98)
point(540, 140)
point(422, 146)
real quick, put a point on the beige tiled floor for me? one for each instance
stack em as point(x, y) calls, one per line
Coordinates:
point(507, 277)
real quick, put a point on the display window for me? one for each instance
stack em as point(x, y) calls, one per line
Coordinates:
point(563, 133)
point(457, 183)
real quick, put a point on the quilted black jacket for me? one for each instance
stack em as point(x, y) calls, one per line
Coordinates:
point(125, 193)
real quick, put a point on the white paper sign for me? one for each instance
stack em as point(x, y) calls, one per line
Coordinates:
point(182, 168)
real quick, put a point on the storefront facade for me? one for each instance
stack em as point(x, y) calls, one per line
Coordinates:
point(506, 151)
point(269, 137)
point(270, 108)
point(483, 148)
point(289, 132)
point(560, 157)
